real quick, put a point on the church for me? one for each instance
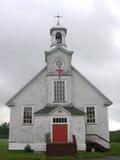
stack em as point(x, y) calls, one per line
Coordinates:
point(59, 110)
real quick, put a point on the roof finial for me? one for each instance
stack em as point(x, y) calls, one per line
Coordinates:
point(58, 16)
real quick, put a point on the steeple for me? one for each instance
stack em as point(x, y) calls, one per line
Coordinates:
point(58, 34)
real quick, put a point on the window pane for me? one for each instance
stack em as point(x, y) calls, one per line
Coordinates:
point(90, 114)
point(59, 91)
point(59, 120)
point(27, 117)
point(53, 120)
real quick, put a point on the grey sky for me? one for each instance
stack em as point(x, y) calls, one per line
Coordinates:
point(93, 34)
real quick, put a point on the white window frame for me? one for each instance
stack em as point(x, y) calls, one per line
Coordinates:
point(59, 119)
point(95, 110)
point(27, 106)
point(65, 94)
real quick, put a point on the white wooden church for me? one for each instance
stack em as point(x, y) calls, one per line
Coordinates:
point(59, 106)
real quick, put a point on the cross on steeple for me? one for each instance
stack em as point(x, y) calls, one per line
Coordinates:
point(58, 16)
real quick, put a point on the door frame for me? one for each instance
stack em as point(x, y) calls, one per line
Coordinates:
point(59, 123)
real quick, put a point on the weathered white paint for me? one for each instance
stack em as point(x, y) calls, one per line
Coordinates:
point(21, 146)
point(77, 128)
point(79, 92)
point(55, 55)
point(84, 95)
point(39, 92)
point(97, 139)
point(60, 111)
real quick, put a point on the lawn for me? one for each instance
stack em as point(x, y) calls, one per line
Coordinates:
point(17, 155)
point(21, 155)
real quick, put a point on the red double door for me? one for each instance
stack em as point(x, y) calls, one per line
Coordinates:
point(60, 133)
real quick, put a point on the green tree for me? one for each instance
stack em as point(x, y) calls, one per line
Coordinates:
point(4, 130)
point(115, 136)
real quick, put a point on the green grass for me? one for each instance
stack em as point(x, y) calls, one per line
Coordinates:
point(17, 155)
point(115, 150)
point(21, 155)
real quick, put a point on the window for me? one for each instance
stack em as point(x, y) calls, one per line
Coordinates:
point(59, 120)
point(27, 115)
point(90, 114)
point(59, 91)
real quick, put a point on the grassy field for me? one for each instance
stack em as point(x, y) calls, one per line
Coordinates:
point(21, 155)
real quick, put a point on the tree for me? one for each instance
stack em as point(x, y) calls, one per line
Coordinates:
point(4, 130)
point(115, 136)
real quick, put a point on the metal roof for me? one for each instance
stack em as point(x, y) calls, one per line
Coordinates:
point(71, 109)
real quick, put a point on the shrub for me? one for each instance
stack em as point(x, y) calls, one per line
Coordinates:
point(28, 148)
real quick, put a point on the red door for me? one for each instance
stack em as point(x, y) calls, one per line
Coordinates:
point(60, 133)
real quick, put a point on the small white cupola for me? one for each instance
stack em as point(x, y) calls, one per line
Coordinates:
point(58, 34)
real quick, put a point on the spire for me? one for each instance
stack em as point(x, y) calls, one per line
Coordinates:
point(58, 16)
point(58, 34)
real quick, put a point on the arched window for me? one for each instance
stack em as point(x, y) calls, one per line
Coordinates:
point(58, 37)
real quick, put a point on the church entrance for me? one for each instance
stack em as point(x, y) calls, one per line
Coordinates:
point(60, 130)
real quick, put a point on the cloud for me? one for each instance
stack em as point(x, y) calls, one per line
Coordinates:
point(114, 6)
point(113, 125)
point(114, 113)
point(116, 37)
point(4, 114)
point(93, 34)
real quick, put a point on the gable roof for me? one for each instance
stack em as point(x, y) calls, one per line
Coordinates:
point(108, 101)
point(48, 109)
point(8, 103)
point(55, 49)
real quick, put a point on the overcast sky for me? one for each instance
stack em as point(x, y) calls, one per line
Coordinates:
point(93, 33)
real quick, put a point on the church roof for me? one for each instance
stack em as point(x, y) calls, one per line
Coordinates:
point(54, 49)
point(58, 27)
point(71, 109)
point(108, 101)
point(8, 103)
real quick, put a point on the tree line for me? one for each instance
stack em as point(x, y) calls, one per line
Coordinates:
point(4, 130)
point(115, 136)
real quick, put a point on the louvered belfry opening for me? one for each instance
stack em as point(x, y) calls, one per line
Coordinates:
point(58, 37)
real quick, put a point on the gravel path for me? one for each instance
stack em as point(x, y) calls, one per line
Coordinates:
point(105, 158)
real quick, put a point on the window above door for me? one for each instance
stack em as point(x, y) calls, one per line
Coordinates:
point(60, 120)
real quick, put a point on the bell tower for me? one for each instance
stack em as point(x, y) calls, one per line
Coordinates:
point(59, 70)
point(58, 57)
point(58, 34)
